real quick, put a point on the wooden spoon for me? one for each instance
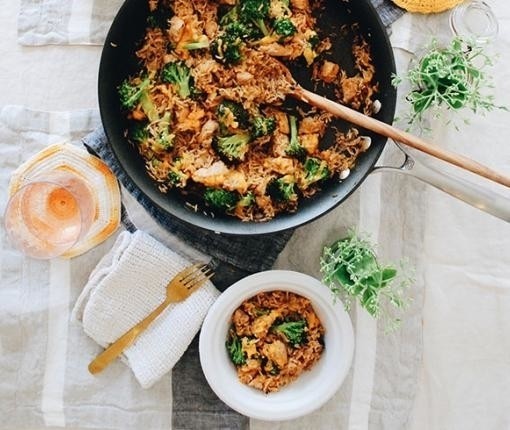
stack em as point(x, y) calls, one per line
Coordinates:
point(396, 134)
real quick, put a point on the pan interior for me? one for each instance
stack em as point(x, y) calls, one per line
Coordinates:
point(336, 21)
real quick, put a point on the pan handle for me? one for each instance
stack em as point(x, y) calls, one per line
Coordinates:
point(475, 195)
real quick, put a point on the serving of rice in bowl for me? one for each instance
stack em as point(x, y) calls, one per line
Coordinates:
point(282, 374)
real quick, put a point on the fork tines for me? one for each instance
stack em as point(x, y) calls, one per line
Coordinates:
point(200, 273)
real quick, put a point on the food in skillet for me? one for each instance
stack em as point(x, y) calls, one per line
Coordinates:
point(205, 109)
point(273, 338)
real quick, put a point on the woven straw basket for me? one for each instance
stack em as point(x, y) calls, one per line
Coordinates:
point(427, 6)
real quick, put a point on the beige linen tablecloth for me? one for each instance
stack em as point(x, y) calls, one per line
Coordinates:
point(462, 379)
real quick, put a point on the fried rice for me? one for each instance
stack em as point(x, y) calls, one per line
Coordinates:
point(274, 337)
point(188, 159)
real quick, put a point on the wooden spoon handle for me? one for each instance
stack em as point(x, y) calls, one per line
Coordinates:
point(398, 135)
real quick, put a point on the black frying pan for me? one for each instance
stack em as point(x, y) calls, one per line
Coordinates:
point(118, 62)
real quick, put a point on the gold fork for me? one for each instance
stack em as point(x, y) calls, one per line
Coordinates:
point(178, 289)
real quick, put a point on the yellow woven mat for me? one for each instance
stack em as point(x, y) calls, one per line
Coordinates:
point(427, 6)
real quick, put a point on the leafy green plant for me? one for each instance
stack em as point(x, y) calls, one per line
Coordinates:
point(350, 269)
point(451, 77)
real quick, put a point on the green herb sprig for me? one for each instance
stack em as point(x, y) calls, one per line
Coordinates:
point(451, 77)
point(351, 270)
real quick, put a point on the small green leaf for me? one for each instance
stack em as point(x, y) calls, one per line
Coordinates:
point(388, 273)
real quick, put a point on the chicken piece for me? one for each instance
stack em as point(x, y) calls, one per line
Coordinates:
point(280, 144)
point(278, 9)
point(251, 364)
point(277, 50)
point(249, 347)
point(189, 120)
point(212, 176)
point(311, 124)
point(241, 322)
point(243, 77)
point(183, 8)
point(153, 5)
point(311, 320)
point(294, 367)
point(207, 131)
point(261, 325)
point(258, 382)
point(211, 29)
point(276, 352)
point(310, 142)
point(138, 115)
point(282, 165)
point(329, 71)
point(176, 30)
point(261, 200)
point(351, 88)
point(282, 121)
point(249, 370)
point(235, 181)
point(300, 4)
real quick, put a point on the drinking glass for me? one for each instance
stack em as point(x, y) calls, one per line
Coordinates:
point(49, 214)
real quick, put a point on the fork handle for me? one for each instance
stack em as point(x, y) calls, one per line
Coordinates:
point(117, 347)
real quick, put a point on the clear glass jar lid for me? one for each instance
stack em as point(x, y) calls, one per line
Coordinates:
point(474, 20)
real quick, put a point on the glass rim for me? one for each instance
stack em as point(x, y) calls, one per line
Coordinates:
point(17, 193)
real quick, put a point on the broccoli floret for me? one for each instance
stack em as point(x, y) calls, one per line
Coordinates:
point(315, 170)
point(293, 331)
point(178, 74)
point(229, 17)
point(247, 200)
point(243, 31)
point(138, 132)
point(263, 126)
point(255, 11)
point(284, 27)
point(226, 48)
point(176, 176)
point(294, 149)
point(163, 138)
point(131, 93)
point(283, 189)
point(227, 108)
point(220, 199)
point(235, 349)
point(313, 39)
point(201, 43)
point(233, 147)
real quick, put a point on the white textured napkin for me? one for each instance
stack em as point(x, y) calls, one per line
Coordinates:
point(128, 283)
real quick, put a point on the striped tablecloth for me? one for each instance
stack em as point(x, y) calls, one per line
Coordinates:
point(44, 379)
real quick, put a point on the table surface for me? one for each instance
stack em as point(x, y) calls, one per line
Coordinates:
point(464, 380)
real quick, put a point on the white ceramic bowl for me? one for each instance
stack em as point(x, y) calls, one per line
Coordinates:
point(312, 388)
